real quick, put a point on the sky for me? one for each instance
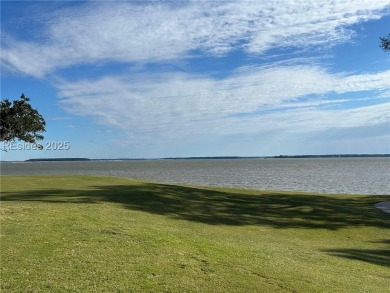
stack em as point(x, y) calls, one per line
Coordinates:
point(153, 79)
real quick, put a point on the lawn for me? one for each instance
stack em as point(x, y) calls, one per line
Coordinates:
point(109, 234)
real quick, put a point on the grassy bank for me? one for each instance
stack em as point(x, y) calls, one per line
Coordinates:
point(107, 234)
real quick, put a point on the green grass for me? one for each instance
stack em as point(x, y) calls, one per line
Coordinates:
point(107, 234)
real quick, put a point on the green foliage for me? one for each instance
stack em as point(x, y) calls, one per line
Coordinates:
point(385, 43)
point(19, 121)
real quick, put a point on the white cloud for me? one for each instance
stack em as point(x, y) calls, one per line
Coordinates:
point(134, 32)
point(249, 101)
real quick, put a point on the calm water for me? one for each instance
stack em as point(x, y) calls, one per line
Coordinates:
point(328, 175)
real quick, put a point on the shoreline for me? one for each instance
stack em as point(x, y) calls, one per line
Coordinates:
point(200, 185)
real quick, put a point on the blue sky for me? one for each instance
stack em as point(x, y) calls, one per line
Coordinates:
point(150, 79)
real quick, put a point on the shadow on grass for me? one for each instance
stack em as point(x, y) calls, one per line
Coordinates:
point(375, 256)
point(279, 210)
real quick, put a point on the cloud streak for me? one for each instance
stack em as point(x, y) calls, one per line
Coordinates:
point(282, 98)
point(133, 32)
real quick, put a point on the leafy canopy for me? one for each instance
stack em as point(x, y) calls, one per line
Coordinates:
point(19, 121)
point(385, 43)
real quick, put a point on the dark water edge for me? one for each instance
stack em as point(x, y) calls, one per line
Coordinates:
point(356, 175)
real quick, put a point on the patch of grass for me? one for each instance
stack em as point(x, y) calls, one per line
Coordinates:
point(108, 234)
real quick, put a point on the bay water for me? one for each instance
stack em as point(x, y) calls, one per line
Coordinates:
point(324, 175)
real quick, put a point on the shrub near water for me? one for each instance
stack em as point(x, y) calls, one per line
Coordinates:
point(107, 234)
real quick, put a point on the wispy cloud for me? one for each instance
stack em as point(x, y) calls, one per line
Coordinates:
point(139, 32)
point(270, 98)
point(59, 118)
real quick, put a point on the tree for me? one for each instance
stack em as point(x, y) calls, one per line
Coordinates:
point(385, 43)
point(19, 121)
